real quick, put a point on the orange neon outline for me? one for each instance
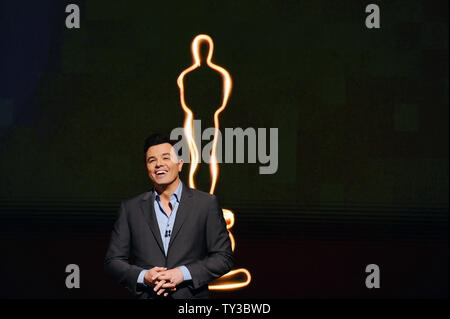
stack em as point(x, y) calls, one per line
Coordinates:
point(189, 119)
point(229, 220)
point(194, 153)
point(234, 285)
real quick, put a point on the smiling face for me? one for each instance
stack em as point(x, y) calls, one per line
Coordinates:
point(163, 165)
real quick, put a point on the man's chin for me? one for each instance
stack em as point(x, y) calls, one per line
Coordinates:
point(163, 182)
point(160, 183)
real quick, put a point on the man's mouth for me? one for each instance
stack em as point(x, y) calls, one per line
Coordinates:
point(161, 172)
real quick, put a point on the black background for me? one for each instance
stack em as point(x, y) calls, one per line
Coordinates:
point(362, 116)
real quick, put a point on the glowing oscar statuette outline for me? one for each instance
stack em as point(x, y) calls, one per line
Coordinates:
point(189, 120)
point(194, 153)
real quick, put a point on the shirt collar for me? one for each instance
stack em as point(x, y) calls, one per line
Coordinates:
point(176, 194)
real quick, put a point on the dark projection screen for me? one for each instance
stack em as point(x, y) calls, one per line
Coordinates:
point(359, 119)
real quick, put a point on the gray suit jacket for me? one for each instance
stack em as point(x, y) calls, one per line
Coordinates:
point(199, 241)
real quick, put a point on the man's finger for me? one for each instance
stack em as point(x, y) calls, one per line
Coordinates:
point(161, 291)
point(168, 285)
point(156, 276)
point(161, 276)
point(159, 284)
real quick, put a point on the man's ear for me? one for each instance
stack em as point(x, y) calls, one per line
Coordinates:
point(180, 165)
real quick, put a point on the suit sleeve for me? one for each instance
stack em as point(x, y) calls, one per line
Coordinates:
point(117, 264)
point(219, 259)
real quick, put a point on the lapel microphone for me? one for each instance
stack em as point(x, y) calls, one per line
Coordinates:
point(167, 233)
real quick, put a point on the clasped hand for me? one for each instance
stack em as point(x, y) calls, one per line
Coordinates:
point(161, 279)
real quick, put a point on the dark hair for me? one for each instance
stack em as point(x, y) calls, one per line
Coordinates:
point(156, 139)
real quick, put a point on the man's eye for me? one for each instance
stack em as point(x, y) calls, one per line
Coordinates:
point(166, 158)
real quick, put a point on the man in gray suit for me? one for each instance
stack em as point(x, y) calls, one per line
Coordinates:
point(172, 241)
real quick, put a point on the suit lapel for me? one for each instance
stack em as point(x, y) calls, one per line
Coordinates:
point(148, 210)
point(184, 208)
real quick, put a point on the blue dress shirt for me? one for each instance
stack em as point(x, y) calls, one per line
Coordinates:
point(165, 223)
